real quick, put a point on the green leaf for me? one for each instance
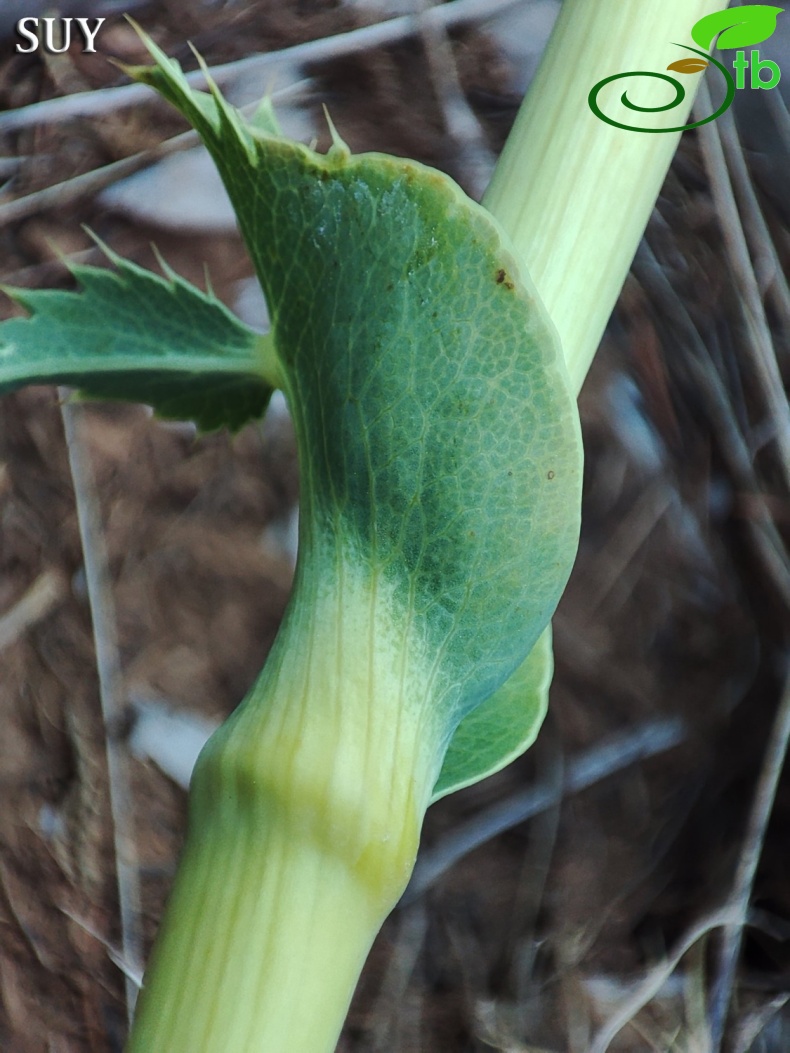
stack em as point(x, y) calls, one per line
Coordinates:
point(502, 727)
point(132, 335)
point(438, 438)
point(740, 27)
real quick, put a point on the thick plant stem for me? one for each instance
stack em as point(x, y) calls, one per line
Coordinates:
point(575, 193)
point(307, 805)
point(291, 927)
point(305, 814)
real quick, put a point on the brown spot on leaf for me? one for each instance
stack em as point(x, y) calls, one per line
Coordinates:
point(502, 279)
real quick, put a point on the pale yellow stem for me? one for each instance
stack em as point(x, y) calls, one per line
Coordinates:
point(305, 814)
point(574, 193)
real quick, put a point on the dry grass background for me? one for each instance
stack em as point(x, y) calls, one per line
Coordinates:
point(608, 903)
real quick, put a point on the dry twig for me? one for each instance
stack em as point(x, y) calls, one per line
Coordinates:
point(475, 159)
point(71, 190)
point(761, 529)
point(768, 266)
point(44, 595)
point(762, 806)
point(111, 696)
point(655, 979)
point(588, 768)
point(759, 344)
point(380, 34)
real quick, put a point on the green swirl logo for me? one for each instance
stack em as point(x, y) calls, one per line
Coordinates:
point(739, 28)
point(680, 94)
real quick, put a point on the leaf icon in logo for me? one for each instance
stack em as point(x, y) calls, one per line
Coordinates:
point(689, 65)
point(738, 28)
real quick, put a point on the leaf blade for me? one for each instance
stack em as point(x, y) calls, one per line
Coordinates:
point(740, 27)
point(501, 728)
point(688, 65)
point(438, 437)
point(132, 335)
